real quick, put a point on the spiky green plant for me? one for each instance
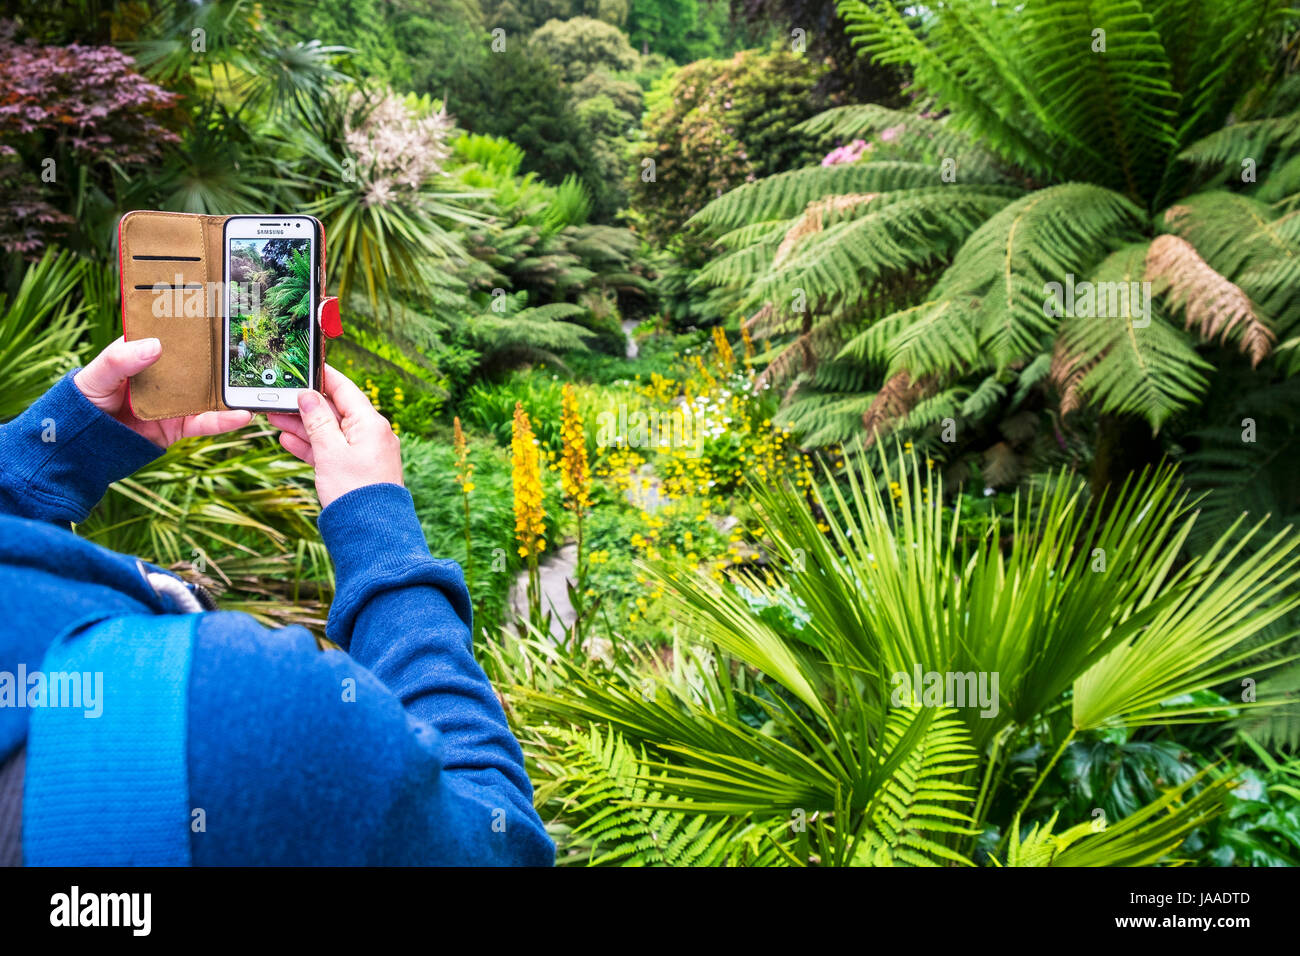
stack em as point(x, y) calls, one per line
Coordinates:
point(39, 329)
point(1086, 614)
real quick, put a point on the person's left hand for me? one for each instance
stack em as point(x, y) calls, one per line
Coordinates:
point(103, 382)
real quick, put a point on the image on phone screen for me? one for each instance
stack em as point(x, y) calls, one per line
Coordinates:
point(270, 313)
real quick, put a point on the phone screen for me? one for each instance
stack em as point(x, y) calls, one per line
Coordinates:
point(270, 313)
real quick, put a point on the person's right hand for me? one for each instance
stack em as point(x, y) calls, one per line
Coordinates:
point(342, 436)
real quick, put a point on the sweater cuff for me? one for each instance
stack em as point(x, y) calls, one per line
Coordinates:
point(64, 453)
point(376, 543)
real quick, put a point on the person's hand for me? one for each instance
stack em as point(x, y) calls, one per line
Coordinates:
point(342, 436)
point(103, 382)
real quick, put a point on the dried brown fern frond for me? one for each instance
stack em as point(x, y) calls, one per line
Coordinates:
point(814, 219)
point(1066, 373)
point(896, 398)
point(1000, 465)
point(1213, 305)
point(796, 357)
point(755, 322)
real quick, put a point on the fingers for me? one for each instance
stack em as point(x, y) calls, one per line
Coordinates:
point(104, 376)
point(348, 399)
point(214, 423)
point(300, 448)
point(318, 422)
point(287, 422)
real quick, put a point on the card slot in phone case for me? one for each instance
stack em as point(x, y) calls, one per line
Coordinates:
point(170, 387)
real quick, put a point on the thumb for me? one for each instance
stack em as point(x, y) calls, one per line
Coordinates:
point(106, 372)
point(318, 422)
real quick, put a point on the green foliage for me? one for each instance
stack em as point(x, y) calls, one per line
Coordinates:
point(291, 295)
point(614, 816)
point(39, 329)
point(923, 271)
point(1142, 839)
point(683, 30)
point(521, 97)
point(1262, 824)
point(524, 16)
point(715, 124)
point(582, 45)
point(428, 466)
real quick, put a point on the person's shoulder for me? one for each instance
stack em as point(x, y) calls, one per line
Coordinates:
point(238, 633)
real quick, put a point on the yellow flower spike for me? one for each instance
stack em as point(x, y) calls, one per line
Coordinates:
point(463, 468)
point(725, 355)
point(526, 480)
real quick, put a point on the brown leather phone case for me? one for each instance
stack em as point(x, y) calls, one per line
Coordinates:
point(172, 267)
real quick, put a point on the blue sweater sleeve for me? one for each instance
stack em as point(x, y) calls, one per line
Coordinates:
point(60, 455)
point(406, 616)
point(395, 753)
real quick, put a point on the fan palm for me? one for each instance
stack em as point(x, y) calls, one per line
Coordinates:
point(1086, 618)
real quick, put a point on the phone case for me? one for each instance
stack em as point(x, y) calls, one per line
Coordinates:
point(183, 253)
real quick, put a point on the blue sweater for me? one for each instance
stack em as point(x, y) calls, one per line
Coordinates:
point(420, 768)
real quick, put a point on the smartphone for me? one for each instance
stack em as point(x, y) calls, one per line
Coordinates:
point(271, 294)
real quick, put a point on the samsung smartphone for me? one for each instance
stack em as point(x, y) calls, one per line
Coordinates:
point(270, 311)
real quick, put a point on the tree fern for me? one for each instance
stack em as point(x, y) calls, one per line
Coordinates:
point(1077, 130)
point(785, 195)
point(1139, 364)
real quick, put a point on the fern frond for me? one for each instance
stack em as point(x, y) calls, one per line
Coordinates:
point(893, 234)
point(994, 292)
point(616, 816)
point(1227, 147)
point(920, 137)
point(894, 400)
point(814, 219)
point(824, 419)
point(917, 806)
point(1212, 305)
point(785, 195)
point(1245, 241)
point(952, 64)
point(1137, 364)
